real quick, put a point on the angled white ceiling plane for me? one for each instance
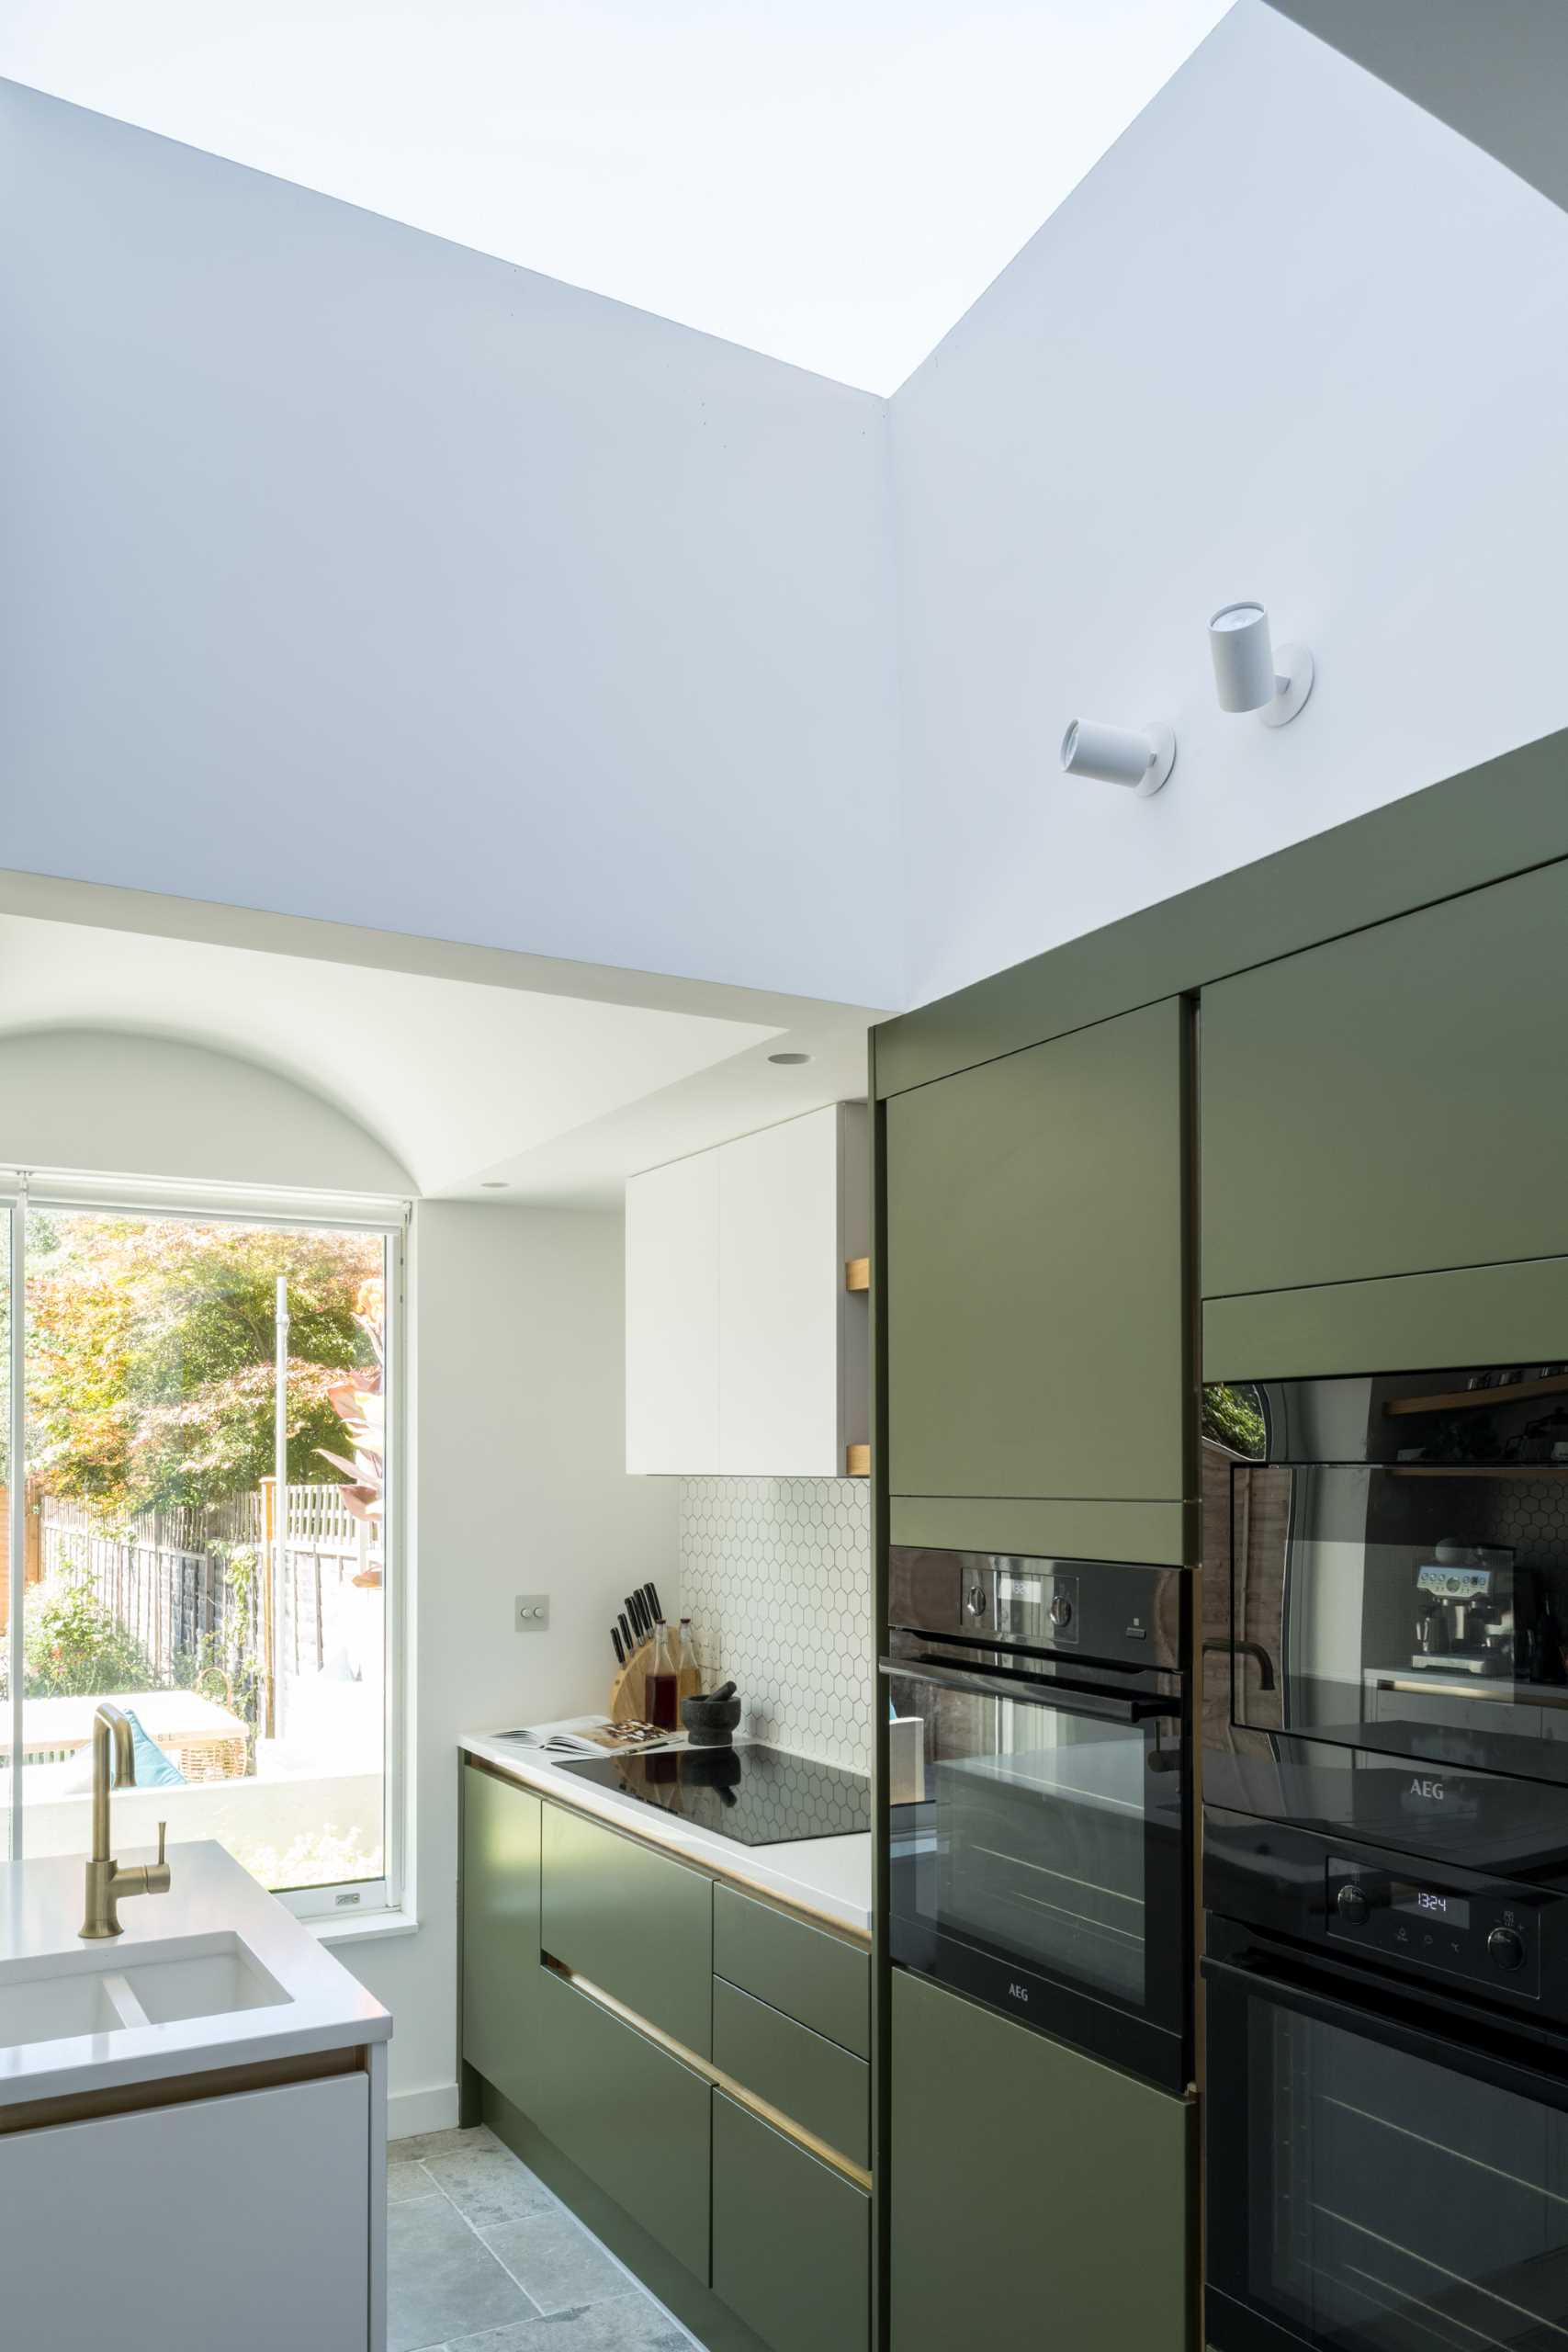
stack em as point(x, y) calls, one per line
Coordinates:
point(833, 183)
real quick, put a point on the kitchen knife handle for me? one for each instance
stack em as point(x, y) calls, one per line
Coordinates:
point(615, 1644)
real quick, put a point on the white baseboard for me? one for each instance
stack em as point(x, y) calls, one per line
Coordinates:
point(409, 2112)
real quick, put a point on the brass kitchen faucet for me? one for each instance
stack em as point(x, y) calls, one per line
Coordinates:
point(107, 1884)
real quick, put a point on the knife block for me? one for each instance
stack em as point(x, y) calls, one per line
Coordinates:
point(628, 1696)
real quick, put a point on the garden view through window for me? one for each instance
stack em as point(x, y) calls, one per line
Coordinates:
point(204, 1538)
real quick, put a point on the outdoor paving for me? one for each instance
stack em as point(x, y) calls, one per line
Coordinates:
point(482, 2258)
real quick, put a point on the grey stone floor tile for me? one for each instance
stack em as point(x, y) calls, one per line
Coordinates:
point(556, 2261)
point(406, 2181)
point(442, 2282)
point(439, 2144)
point(625, 2324)
point(489, 2186)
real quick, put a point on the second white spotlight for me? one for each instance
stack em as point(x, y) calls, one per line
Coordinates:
point(1139, 757)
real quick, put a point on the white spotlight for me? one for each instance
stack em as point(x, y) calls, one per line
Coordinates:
point(1139, 757)
point(1247, 672)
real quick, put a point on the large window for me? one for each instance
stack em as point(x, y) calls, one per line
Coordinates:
point(201, 1472)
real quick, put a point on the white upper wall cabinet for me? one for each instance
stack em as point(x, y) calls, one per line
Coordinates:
point(672, 1317)
point(746, 1352)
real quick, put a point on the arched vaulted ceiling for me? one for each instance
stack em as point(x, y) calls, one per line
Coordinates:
point(465, 1084)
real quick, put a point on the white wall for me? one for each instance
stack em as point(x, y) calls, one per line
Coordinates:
point(121, 1103)
point(354, 574)
point(519, 1425)
point(1294, 339)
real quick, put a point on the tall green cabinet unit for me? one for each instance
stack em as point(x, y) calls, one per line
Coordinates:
point(1036, 1352)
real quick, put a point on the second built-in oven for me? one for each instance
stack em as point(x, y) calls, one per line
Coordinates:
point(1385, 1862)
point(1387, 2110)
point(1040, 1795)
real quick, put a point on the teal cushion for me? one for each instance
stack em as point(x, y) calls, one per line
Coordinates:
point(153, 1768)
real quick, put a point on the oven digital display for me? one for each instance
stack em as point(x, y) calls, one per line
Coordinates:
point(1031, 1590)
point(1428, 1902)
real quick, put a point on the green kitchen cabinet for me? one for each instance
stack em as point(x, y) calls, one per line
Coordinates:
point(1031, 2187)
point(1513, 1314)
point(1037, 1324)
point(800, 2073)
point(634, 1923)
point(500, 1928)
point(790, 2239)
point(812, 1975)
point(629, 2115)
point(1392, 1102)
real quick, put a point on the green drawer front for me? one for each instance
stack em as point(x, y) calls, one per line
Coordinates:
point(500, 1928)
point(628, 2115)
point(790, 2239)
point(1029, 2184)
point(807, 2078)
point(811, 1975)
point(633, 1922)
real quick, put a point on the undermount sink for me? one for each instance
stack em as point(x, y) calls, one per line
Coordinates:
point(206, 1984)
point(102, 1990)
point(48, 2009)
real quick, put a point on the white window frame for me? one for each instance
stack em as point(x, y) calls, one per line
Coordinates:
point(346, 1901)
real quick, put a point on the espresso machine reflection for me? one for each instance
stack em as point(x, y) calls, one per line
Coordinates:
point(1465, 1620)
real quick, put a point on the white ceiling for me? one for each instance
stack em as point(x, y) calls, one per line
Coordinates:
point(830, 181)
point(558, 1097)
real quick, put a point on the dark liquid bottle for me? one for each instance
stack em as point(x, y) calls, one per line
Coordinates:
point(660, 1700)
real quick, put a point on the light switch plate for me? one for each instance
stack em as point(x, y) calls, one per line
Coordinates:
point(531, 1613)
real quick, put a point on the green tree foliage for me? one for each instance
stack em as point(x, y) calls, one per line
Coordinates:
point(151, 1346)
point(73, 1645)
point(1234, 1417)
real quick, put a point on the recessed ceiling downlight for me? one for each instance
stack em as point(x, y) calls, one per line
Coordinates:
point(789, 1062)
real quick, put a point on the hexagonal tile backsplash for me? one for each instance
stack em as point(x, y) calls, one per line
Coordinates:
point(775, 1577)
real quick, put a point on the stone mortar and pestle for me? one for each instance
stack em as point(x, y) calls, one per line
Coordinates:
point(710, 1717)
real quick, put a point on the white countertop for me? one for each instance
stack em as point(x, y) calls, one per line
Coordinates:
point(829, 1877)
point(211, 1894)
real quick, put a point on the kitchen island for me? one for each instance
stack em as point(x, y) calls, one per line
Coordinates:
point(207, 2093)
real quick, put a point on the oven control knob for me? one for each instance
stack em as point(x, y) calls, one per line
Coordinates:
point(1504, 1948)
point(1352, 1904)
point(1061, 1610)
point(976, 1600)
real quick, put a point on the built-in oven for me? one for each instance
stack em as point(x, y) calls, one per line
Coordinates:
point(1385, 1861)
point(1387, 2099)
point(1384, 1597)
point(1040, 1795)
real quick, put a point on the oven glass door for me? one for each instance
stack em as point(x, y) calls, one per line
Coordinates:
point(1040, 1852)
point(1377, 2184)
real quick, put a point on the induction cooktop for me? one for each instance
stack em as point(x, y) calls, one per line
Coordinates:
point(759, 1796)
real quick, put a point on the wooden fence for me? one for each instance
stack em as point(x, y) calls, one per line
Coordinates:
point(169, 1578)
point(32, 1545)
